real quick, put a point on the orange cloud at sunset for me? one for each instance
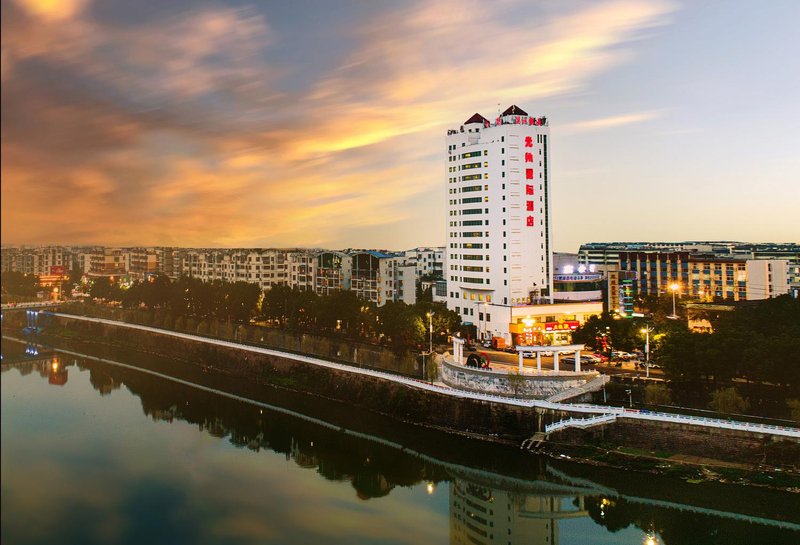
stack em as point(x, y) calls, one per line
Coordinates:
point(204, 125)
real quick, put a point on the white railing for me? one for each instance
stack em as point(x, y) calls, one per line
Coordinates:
point(31, 304)
point(591, 386)
point(602, 410)
point(580, 422)
point(710, 422)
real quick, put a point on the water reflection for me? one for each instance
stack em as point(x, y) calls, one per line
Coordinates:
point(480, 515)
point(532, 501)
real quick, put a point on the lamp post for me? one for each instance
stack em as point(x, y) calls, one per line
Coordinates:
point(430, 332)
point(674, 287)
point(646, 330)
point(430, 344)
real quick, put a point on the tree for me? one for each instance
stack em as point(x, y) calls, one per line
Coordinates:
point(75, 276)
point(515, 381)
point(728, 400)
point(794, 409)
point(623, 333)
point(401, 324)
point(104, 288)
point(16, 283)
point(657, 394)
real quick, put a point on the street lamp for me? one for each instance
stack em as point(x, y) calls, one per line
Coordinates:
point(674, 288)
point(646, 330)
point(430, 332)
point(630, 398)
point(429, 314)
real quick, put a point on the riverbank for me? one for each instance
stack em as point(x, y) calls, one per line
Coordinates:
point(619, 457)
point(414, 403)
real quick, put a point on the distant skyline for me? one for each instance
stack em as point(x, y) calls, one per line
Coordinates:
point(322, 124)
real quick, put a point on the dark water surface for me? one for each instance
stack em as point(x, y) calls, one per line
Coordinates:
point(97, 453)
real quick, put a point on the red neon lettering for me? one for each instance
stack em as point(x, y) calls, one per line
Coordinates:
point(530, 222)
point(528, 157)
point(529, 205)
point(529, 141)
point(528, 189)
point(529, 174)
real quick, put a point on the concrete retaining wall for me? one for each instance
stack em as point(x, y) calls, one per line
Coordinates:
point(497, 383)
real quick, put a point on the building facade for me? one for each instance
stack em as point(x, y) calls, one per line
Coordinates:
point(706, 277)
point(498, 252)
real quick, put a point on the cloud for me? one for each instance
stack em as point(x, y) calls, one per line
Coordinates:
point(610, 122)
point(57, 10)
point(188, 127)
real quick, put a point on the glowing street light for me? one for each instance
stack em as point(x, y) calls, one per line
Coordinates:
point(674, 287)
point(646, 330)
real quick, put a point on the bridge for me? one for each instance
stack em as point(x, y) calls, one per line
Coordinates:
point(590, 409)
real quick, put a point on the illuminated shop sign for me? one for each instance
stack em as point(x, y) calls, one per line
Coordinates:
point(576, 277)
point(561, 326)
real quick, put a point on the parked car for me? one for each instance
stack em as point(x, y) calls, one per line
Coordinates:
point(602, 357)
point(486, 344)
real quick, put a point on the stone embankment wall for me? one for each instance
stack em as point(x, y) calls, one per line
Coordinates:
point(497, 383)
point(672, 438)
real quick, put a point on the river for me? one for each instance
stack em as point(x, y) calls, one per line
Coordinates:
point(94, 452)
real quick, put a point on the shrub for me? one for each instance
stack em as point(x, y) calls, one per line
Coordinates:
point(657, 394)
point(728, 400)
point(794, 409)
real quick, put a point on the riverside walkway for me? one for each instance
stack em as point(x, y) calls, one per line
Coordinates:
point(613, 413)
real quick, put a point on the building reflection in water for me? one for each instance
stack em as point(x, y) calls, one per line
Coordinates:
point(480, 515)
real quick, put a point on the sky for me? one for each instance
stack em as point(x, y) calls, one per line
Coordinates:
point(322, 124)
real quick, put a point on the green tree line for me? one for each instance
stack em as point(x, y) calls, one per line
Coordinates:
point(341, 313)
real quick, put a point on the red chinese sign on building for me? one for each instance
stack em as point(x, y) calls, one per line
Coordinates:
point(529, 174)
point(528, 157)
point(529, 141)
point(561, 326)
point(522, 120)
point(529, 222)
point(529, 206)
point(528, 189)
point(57, 270)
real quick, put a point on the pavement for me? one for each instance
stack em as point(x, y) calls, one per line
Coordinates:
point(505, 361)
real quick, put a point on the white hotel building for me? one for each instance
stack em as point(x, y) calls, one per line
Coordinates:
point(499, 260)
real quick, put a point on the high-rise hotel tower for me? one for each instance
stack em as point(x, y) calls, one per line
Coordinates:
point(498, 253)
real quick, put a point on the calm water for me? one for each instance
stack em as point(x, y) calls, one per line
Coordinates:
point(97, 453)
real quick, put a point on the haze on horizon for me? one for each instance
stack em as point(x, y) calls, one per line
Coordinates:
point(239, 123)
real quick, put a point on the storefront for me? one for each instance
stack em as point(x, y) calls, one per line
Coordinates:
point(549, 324)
